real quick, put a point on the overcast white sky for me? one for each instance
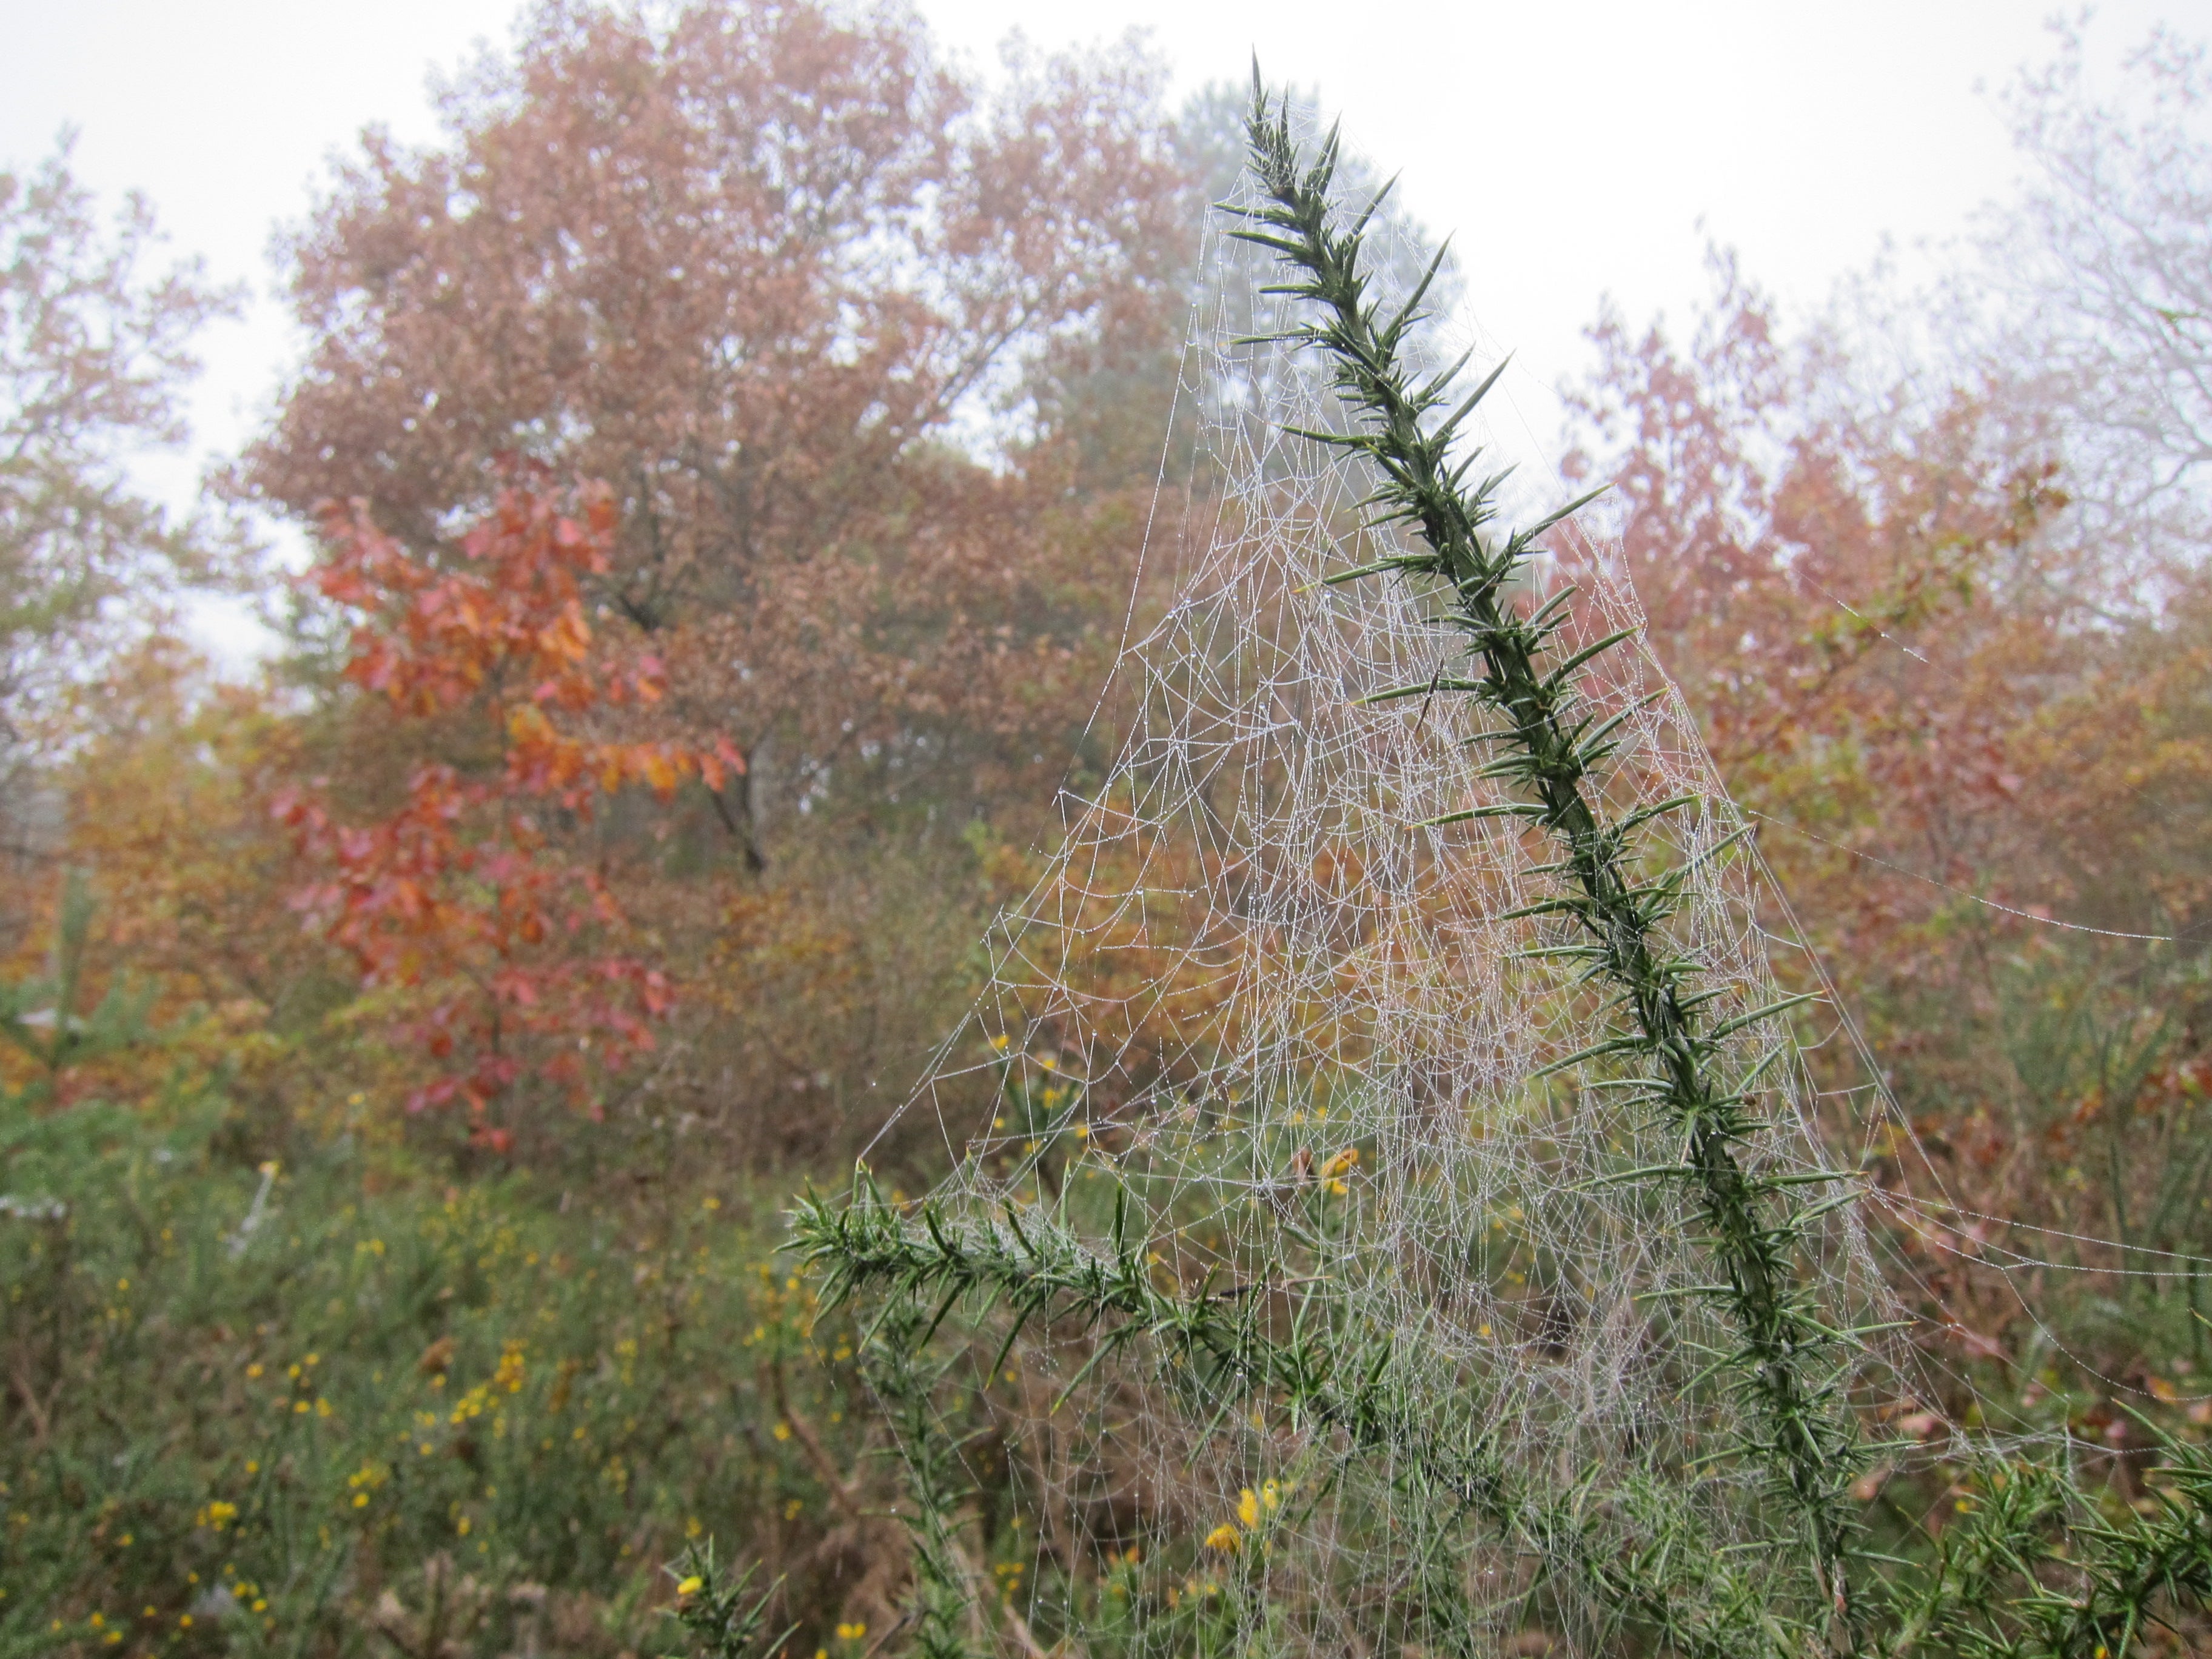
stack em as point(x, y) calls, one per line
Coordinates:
point(1576, 150)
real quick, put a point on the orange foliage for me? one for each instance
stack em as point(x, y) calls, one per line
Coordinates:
point(1865, 606)
point(165, 808)
point(512, 953)
point(1976, 734)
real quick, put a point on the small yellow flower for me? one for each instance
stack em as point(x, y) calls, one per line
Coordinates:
point(999, 1043)
point(783, 1431)
point(691, 1586)
point(1247, 1508)
point(1223, 1537)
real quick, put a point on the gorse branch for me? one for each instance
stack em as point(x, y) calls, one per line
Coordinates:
point(720, 1613)
point(1406, 427)
point(2034, 1569)
point(942, 1611)
point(1323, 1375)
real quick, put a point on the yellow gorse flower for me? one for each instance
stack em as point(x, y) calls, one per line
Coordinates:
point(1223, 1537)
point(691, 1586)
point(1247, 1508)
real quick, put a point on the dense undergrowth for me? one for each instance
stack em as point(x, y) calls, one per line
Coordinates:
point(313, 1406)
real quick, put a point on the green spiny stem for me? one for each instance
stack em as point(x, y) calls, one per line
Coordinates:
point(1045, 1274)
point(2124, 1571)
point(720, 1613)
point(1807, 1438)
point(942, 1608)
point(1993, 1591)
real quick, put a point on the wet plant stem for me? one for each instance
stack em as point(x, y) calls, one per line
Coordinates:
point(1785, 1366)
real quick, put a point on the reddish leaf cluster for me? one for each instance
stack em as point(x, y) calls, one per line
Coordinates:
point(1975, 731)
point(1855, 601)
point(505, 954)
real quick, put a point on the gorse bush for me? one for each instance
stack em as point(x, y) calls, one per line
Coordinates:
point(1217, 1298)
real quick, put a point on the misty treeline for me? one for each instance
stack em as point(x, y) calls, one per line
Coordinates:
point(729, 455)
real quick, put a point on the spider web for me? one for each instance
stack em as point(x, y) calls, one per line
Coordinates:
point(1297, 1037)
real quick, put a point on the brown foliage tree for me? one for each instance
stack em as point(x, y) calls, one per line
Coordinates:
point(836, 331)
point(758, 269)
